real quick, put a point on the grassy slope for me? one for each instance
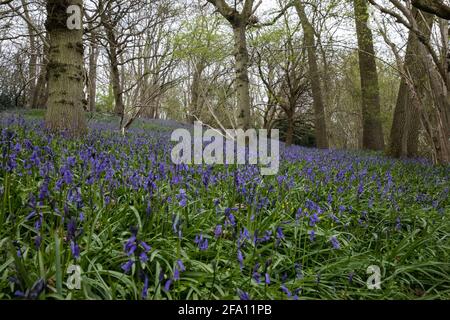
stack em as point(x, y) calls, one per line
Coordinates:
point(387, 213)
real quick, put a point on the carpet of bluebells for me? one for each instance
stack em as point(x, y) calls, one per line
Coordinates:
point(139, 227)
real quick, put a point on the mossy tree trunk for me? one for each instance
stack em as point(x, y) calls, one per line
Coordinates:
point(65, 71)
point(373, 138)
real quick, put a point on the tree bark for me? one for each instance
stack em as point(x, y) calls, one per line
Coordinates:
point(195, 102)
point(290, 128)
point(32, 67)
point(239, 22)
point(115, 73)
point(406, 123)
point(319, 108)
point(65, 71)
point(40, 95)
point(242, 79)
point(93, 59)
point(373, 138)
point(436, 7)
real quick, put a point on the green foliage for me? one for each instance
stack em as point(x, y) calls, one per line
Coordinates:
point(203, 39)
point(383, 212)
point(105, 101)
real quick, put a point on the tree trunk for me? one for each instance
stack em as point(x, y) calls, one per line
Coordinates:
point(239, 22)
point(319, 109)
point(65, 71)
point(195, 92)
point(93, 58)
point(406, 124)
point(115, 74)
point(242, 79)
point(373, 138)
point(440, 131)
point(32, 67)
point(290, 128)
point(40, 95)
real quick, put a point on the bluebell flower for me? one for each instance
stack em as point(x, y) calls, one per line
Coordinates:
point(19, 294)
point(182, 198)
point(71, 161)
point(360, 189)
point(267, 278)
point(335, 243)
point(244, 296)
point(218, 231)
point(145, 288)
point(201, 242)
point(350, 277)
point(330, 199)
point(299, 214)
point(75, 249)
point(127, 266)
point(280, 234)
point(240, 258)
point(398, 225)
point(145, 246)
point(37, 242)
point(143, 257)
point(286, 291)
point(167, 285)
point(130, 246)
point(312, 236)
point(256, 275)
point(148, 211)
point(176, 274)
point(313, 220)
point(230, 219)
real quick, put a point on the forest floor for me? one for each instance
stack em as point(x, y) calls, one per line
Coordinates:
point(139, 227)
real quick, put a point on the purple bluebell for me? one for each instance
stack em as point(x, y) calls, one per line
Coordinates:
point(240, 258)
point(286, 291)
point(312, 236)
point(350, 277)
point(201, 242)
point(143, 257)
point(244, 296)
point(145, 288)
point(398, 224)
point(313, 220)
point(182, 198)
point(181, 265)
point(126, 267)
point(176, 274)
point(218, 231)
point(267, 278)
point(168, 285)
point(335, 243)
point(75, 249)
